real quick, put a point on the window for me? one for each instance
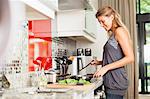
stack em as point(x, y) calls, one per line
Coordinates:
point(142, 6)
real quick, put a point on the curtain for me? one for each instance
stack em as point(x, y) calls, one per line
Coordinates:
point(127, 10)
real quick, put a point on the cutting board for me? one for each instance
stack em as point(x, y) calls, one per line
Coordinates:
point(76, 87)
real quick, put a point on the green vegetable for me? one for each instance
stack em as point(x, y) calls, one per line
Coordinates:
point(62, 82)
point(87, 82)
point(71, 81)
point(83, 81)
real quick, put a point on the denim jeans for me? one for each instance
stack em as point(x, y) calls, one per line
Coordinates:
point(113, 96)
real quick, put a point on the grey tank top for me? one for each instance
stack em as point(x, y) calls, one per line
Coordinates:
point(115, 81)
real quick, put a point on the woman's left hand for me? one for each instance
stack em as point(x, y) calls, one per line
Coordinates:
point(100, 72)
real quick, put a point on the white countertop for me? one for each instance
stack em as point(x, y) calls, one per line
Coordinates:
point(31, 93)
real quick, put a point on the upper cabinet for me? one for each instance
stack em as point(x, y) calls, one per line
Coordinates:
point(69, 18)
point(77, 24)
point(76, 20)
point(46, 7)
point(90, 22)
point(74, 4)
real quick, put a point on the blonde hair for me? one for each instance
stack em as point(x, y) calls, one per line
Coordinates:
point(108, 11)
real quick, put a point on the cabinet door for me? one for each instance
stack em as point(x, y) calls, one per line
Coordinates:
point(39, 26)
point(70, 21)
point(90, 20)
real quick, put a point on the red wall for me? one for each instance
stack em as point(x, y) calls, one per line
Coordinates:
point(40, 29)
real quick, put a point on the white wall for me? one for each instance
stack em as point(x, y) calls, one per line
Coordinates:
point(17, 46)
point(17, 49)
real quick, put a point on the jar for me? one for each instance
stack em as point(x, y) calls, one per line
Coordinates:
point(51, 77)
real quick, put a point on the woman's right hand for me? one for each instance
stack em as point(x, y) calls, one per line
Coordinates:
point(95, 62)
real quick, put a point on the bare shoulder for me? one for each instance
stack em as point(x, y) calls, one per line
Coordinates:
point(121, 33)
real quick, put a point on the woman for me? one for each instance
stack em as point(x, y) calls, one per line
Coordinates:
point(117, 53)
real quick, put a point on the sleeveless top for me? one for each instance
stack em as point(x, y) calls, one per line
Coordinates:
point(115, 81)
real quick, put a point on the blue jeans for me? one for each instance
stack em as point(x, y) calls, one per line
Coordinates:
point(113, 96)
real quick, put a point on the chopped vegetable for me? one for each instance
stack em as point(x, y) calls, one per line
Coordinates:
point(83, 81)
point(73, 81)
point(62, 82)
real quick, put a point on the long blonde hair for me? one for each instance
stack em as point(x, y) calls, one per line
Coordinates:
point(108, 11)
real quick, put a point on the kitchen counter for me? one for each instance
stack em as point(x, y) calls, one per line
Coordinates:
point(54, 91)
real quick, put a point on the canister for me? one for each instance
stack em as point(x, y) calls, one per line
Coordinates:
point(51, 77)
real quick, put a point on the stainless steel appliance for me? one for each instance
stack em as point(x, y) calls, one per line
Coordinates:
point(80, 52)
point(79, 63)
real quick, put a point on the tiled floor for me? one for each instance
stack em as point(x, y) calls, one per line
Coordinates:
point(144, 96)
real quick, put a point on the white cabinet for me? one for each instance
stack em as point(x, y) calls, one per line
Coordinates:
point(46, 7)
point(69, 21)
point(90, 23)
point(77, 24)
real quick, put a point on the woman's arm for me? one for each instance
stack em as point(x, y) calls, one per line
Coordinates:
point(124, 40)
